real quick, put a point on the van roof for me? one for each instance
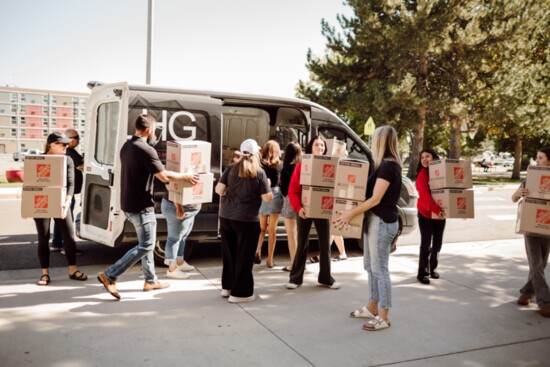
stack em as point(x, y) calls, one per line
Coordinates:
point(227, 97)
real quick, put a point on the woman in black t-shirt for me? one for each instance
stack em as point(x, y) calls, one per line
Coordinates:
point(383, 189)
point(243, 186)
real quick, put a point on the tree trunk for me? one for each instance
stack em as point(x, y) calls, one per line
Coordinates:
point(417, 143)
point(454, 150)
point(518, 152)
point(418, 130)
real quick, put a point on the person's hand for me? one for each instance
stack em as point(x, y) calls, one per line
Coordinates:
point(343, 220)
point(180, 213)
point(442, 215)
point(520, 193)
point(66, 207)
point(192, 178)
point(302, 213)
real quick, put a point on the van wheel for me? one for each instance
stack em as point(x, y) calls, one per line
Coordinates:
point(159, 251)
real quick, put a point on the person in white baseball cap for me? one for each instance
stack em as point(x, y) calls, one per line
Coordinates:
point(249, 146)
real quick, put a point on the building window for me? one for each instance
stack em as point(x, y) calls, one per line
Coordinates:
point(54, 110)
point(45, 121)
point(44, 133)
point(22, 97)
point(44, 110)
point(22, 120)
point(13, 133)
point(23, 132)
point(14, 120)
point(54, 122)
point(23, 109)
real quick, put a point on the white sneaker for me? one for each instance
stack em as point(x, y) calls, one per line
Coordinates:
point(334, 285)
point(292, 286)
point(176, 274)
point(225, 293)
point(186, 267)
point(233, 299)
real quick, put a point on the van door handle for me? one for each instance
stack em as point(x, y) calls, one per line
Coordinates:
point(111, 177)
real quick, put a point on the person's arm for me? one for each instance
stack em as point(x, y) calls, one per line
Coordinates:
point(70, 187)
point(295, 191)
point(426, 200)
point(166, 176)
point(268, 197)
point(265, 187)
point(220, 189)
point(520, 193)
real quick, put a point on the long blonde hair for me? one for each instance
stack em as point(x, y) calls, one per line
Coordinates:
point(247, 166)
point(271, 154)
point(385, 145)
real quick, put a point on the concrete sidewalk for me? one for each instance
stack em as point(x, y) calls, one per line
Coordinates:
point(467, 318)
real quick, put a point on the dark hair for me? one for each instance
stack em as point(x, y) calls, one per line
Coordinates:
point(292, 151)
point(309, 146)
point(425, 150)
point(546, 151)
point(144, 122)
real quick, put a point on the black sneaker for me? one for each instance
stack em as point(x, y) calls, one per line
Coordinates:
point(434, 275)
point(424, 280)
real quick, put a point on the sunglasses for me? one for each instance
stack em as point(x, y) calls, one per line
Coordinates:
point(64, 144)
point(76, 137)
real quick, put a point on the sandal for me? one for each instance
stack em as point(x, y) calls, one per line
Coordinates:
point(44, 280)
point(78, 275)
point(314, 259)
point(376, 324)
point(362, 313)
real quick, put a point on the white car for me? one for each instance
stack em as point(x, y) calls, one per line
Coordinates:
point(20, 155)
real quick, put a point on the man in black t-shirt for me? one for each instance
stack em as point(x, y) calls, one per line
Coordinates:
point(140, 164)
point(78, 160)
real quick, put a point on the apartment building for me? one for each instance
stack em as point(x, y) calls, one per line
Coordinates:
point(27, 116)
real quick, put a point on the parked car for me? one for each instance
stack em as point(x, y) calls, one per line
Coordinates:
point(20, 155)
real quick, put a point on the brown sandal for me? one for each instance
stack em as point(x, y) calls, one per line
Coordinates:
point(44, 280)
point(78, 275)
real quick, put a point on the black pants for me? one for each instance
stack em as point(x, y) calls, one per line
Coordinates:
point(299, 266)
point(67, 232)
point(431, 239)
point(57, 240)
point(239, 242)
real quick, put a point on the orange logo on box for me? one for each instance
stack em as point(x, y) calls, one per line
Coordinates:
point(437, 173)
point(305, 167)
point(41, 202)
point(328, 170)
point(196, 158)
point(544, 182)
point(543, 216)
point(352, 179)
point(42, 170)
point(459, 173)
point(173, 156)
point(327, 202)
point(198, 189)
point(439, 202)
point(461, 203)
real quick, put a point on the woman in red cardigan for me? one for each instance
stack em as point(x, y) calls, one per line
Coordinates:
point(431, 229)
point(315, 146)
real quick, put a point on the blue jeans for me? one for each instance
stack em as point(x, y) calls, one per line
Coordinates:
point(146, 230)
point(376, 256)
point(178, 230)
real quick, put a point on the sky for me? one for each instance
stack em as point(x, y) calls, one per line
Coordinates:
point(248, 46)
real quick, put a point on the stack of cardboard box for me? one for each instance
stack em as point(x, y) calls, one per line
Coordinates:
point(534, 211)
point(190, 156)
point(44, 186)
point(349, 191)
point(317, 179)
point(450, 185)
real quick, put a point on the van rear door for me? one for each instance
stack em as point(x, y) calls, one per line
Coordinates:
point(106, 119)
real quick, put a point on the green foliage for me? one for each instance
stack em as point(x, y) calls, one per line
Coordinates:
point(419, 64)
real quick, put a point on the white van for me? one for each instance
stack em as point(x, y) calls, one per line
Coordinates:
point(224, 119)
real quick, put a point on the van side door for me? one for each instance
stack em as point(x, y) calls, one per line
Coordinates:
point(101, 219)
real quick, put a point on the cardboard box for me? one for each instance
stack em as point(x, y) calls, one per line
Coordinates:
point(336, 148)
point(318, 170)
point(538, 182)
point(355, 227)
point(188, 156)
point(185, 193)
point(45, 170)
point(533, 217)
point(318, 201)
point(456, 203)
point(42, 202)
point(351, 179)
point(450, 174)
